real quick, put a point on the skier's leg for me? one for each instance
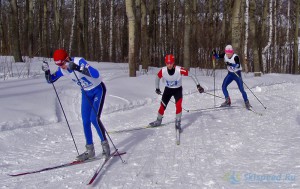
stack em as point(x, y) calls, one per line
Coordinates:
point(163, 105)
point(99, 99)
point(178, 99)
point(239, 82)
point(227, 80)
point(98, 102)
point(85, 114)
point(164, 101)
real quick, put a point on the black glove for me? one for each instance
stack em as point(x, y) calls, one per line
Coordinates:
point(158, 91)
point(214, 52)
point(45, 67)
point(200, 89)
point(229, 64)
point(73, 66)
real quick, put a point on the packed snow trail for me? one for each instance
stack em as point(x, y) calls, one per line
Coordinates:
point(230, 148)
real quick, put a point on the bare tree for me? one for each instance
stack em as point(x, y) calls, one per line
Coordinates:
point(131, 36)
point(246, 35)
point(187, 33)
point(15, 38)
point(252, 23)
point(236, 26)
point(100, 30)
point(73, 26)
point(286, 46)
point(111, 20)
point(144, 37)
point(270, 38)
point(30, 28)
point(45, 28)
point(296, 65)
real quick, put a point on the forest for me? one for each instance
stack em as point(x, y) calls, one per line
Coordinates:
point(264, 33)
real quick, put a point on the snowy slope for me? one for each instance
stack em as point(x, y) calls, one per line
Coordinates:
point(231, 148)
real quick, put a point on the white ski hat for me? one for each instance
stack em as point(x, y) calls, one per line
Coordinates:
point(229, 49)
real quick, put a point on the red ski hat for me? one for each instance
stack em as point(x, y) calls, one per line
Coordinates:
point(169, 59)
point(59, 56)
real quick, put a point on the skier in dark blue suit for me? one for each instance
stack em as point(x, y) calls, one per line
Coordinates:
point(234, 74)
point(93, 87)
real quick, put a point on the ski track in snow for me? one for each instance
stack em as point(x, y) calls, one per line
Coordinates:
point(214, 144)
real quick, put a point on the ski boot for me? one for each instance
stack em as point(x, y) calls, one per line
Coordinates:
point(88, 154)
point(178, 124)
point(157, 122)
point(106, 149)
point(247, 104)
point(226, 103)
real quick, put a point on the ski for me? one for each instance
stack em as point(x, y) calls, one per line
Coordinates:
point(257, 113)
point(215, 108)
point(178, 131)
point(135, 129)
point(76, 162)
point(96, 173)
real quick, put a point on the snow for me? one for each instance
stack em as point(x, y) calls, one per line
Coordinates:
point(231, 148)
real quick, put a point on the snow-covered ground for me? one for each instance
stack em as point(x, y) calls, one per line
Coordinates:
point(231, 148)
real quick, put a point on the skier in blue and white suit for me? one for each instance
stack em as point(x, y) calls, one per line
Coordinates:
point(93, 92)
point(234, 74)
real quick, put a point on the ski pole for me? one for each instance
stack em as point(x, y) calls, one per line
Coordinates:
point(63, 113)
point(214, 95)
point(249, 89)
point(214, 65)
point(96, 114)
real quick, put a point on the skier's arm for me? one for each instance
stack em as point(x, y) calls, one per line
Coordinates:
point(84, 68)
point(199, 88)
point(88, 70)
point(157, 81)
point(187, 73)
point(217, 55)
point(51, 78)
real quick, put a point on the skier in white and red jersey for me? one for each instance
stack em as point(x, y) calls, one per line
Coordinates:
point(172, 77)
point(93, 94)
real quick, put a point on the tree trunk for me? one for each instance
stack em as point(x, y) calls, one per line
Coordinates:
point(45, 40)
point(131, 36)
point(57, 40)
point(286, 48)
point(269, 41)
point(100, 30)
point(72, 27)
point(246, 36)
point(296, 66)
point(137, 46)
point(252, 26)
point(187, 33)
point(15, 38)
point(144, 36)
point(30, 29)
point(111, 19)
point(81, 45)
point(236, 27)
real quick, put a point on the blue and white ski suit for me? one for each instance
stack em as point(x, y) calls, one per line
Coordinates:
point(94, 90)
point(234, 67)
